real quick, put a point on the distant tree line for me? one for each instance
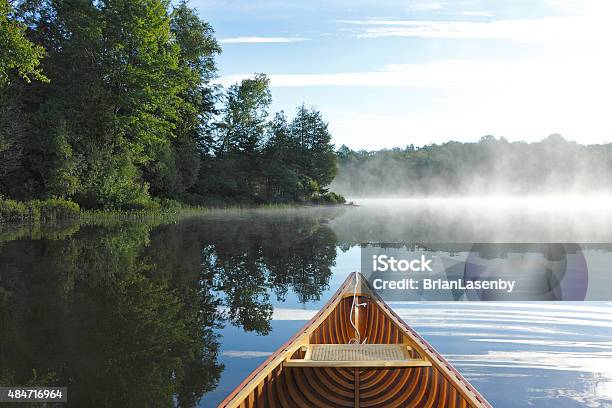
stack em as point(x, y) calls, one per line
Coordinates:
point(112, 104)
point(489, 166)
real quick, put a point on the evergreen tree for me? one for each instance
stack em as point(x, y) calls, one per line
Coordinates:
point(316, 157)
point(280, 166)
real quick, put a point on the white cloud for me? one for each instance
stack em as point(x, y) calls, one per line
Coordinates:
point(548, 30)
point(246, 354)
point(587, 22)
point(293, 314)
point(261, 40)
point(536, 73)
point(573, 4)
point(416, 75)
point(476, 13)
point(430, 6)
point(437, 74)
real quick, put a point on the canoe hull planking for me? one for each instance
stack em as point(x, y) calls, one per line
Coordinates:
point(282, 381)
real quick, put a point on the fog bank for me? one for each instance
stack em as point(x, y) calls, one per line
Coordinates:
point(490, 167)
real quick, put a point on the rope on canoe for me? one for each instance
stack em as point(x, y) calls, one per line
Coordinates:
point(354, 306)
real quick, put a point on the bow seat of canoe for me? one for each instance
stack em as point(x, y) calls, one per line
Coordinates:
point(357, 355)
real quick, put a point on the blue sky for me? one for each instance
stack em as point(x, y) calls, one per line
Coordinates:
point(390, 73)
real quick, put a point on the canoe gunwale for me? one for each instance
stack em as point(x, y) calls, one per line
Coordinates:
point(301, 339)
point(232, 400)
point(438, 361)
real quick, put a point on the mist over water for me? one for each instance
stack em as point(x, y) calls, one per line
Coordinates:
point(491, 167)
point(558, 218)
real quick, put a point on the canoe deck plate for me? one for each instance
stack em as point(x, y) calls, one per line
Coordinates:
point(357, 355)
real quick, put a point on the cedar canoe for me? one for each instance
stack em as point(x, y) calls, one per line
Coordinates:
point(355, 352)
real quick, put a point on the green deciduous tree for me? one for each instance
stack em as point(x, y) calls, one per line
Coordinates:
point(241, 135)
point(17, 52)
point(131, 112)
point(197, 49)
point(244, 115)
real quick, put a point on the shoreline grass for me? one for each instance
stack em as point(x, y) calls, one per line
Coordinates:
point(59, 210)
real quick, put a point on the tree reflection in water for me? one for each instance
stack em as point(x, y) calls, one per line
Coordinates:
point(125, 314)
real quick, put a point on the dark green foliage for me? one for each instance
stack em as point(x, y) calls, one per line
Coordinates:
point(328, 198)
point(316, 156)
point(12, 137)
point(244, 116)
point(277, 161)
point(121, 116)
point(299, 157)
point(281, 169)
point(130, 113)
point(234, 171)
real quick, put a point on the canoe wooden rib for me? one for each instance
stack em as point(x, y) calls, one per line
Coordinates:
point(317, 367)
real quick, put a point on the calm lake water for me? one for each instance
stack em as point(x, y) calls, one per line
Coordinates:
point(150, 314)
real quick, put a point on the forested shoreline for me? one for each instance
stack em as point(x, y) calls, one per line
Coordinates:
point(112, 105)
point(491, 166)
